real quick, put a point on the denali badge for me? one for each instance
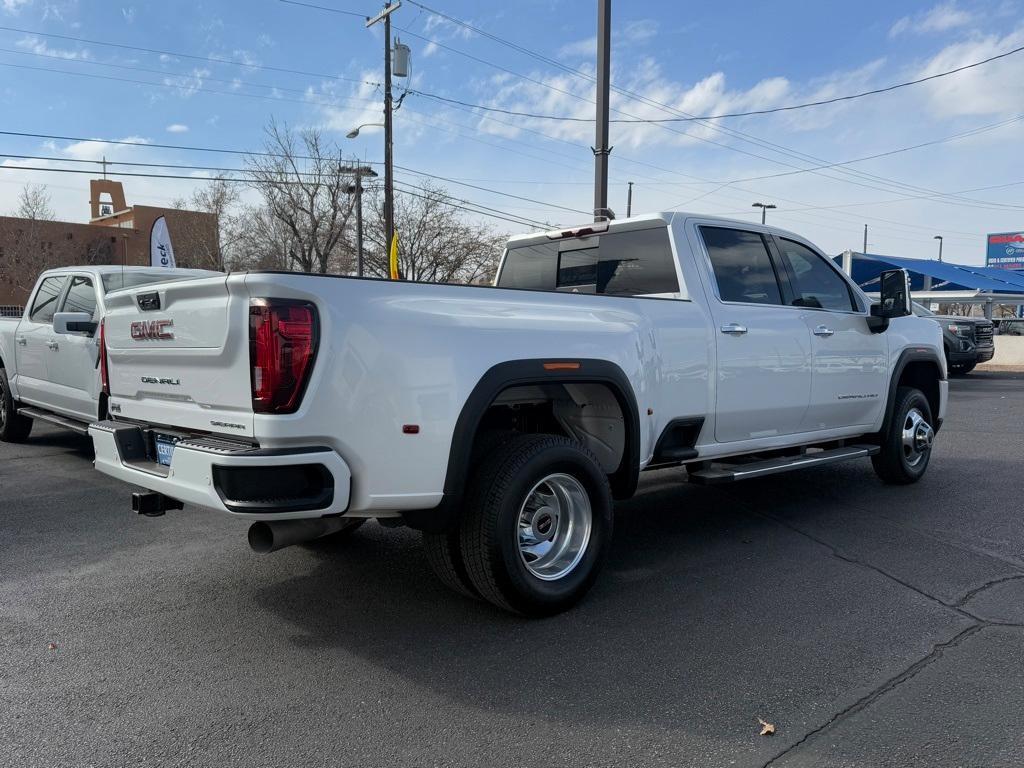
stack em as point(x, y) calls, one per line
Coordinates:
point(161, 380)
point(152, 329)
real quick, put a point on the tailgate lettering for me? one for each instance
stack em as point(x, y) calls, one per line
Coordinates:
point(156, 330)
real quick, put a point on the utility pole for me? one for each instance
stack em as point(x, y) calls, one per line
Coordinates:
point(629, 201)
point(361, 172)
point(865, 239)
point(601, 149)
point(389, 171)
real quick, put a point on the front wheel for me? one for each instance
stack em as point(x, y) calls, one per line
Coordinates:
point(537, 525)
point(907, 443)
point(13, 428)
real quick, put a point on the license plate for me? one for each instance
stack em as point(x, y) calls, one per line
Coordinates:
point(164, 451)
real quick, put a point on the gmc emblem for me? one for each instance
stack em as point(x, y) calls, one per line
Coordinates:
point(145, 330)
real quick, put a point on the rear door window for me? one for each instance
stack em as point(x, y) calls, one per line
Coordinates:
point(816, 284)
point(81, 296)
point(44, 306)
point(635, 263)
point(742, 266)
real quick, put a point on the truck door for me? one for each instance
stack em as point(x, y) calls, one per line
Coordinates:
point(763, 382)
point(848, 384)
point(73, 364)
point(33, 341)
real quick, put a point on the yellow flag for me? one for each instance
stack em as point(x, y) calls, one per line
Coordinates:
point(394, 256)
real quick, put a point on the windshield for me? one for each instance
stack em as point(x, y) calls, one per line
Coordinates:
point(115, 281)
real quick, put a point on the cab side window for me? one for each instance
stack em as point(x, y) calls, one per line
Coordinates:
point(44, 306)
point(742, 266)
point(81, 296)
point(816, 284)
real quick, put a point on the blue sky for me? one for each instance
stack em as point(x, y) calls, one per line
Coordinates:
point(697, 58)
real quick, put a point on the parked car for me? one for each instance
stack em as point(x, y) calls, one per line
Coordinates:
point(1011, 326)
point(49, 357)
point(502, 421)
point(966, 341)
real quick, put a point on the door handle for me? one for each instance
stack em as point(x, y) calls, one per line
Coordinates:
point(22, 341)
point(822, 330)
point(734, 329)
point(52, 345)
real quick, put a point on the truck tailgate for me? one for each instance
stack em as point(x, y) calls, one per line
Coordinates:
point(178, 355)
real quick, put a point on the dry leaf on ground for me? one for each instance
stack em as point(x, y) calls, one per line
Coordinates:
point(767, 729)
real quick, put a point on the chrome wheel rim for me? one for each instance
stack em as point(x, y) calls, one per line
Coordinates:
point(553, 527)
point(917, 437)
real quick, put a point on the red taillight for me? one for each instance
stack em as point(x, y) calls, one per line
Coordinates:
point(104, 372)
point(282, 345)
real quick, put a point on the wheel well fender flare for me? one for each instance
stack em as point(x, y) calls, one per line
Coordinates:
point(547, 371)
point(906, 358)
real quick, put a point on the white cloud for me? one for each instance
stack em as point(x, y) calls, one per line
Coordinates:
point(38, 46)
point(586, 47)
point(97, 149)
point(940, 18)
point(996, 88)
point(189, 84)
point(177, 128)
point(430, 49)
point(445, 28)
point(13, 6)
point(639, 30)
point(128, 14)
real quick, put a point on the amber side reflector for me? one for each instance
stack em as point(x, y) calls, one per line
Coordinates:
point(410, 429)
point(561, 366)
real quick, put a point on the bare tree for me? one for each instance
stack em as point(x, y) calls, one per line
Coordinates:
point(304, 184)
point(219, 198)
point(261, 241)
point(34, 203)
point(437, 243)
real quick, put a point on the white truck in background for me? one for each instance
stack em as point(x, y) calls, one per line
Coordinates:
point(49, 357)
point(502, 421)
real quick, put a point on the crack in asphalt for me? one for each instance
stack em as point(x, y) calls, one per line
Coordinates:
point(936, 651)
point(970, 594)
point(891, 684)
point(837, 553)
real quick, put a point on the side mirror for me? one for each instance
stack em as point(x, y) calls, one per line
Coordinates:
point(894, 300)
point(895, 294)
point(74, 322)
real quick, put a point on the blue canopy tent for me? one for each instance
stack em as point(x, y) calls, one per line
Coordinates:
point(942, 281)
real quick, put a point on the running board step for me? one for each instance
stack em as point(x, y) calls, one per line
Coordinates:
point(734, 472)
point(51, 418)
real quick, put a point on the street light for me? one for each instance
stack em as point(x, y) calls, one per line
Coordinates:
point(939, 238)
point(357, 190)
point(355, 131)
point(764, 208)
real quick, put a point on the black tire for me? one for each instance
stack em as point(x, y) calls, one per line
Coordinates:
point(444, 553)
point(898, 464)
point(13, 428)
point(490, 524)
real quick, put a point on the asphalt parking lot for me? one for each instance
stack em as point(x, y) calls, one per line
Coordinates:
point(873, 626)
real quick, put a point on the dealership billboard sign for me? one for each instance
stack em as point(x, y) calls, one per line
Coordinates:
point(1005, 250)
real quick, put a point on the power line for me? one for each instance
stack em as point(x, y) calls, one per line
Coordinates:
point(803, 157)
point(192, 56)
point(693, 118)
point(463, 204)
point(188, 87)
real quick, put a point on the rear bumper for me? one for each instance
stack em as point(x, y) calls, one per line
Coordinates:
point(243, 481)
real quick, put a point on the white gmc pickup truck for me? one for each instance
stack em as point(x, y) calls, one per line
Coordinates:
point(49, 358)
point(502, 421)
